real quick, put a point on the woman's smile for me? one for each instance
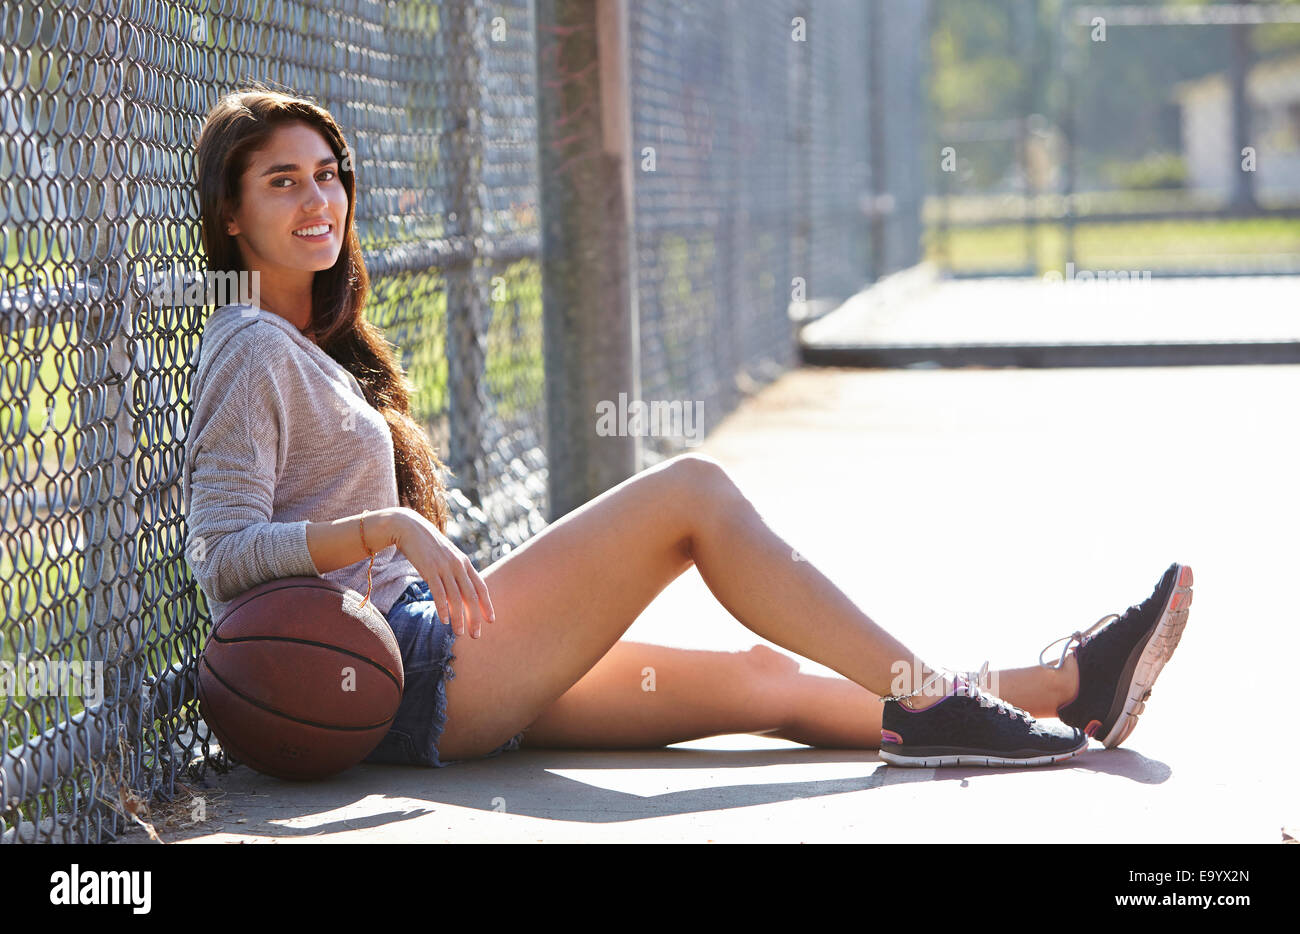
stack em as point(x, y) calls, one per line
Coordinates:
point(320, 232)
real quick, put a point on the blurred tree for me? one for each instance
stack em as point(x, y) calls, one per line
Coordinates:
point(989, 68)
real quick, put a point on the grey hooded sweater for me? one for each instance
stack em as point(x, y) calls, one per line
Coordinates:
point(281, 435)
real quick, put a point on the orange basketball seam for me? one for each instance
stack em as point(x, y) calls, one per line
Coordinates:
point(280, 713)
point(248, 595)
point(319, 645)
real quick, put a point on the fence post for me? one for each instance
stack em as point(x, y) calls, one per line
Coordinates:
point(1239, 67)
point(467, 280)
point(1073, 52)
point(875, 138)
point(590, 338)
point(733, 173)
point(799, 141)
point(901, 149)
point(1024, 40)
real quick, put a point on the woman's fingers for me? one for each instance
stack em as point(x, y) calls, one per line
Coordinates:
point(439, 593)
point(485, 601)
point(458, 605)
point(457, 590)
point(469, 595)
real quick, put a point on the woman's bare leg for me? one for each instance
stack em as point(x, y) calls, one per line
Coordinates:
point(566, 597)
point(642, 695)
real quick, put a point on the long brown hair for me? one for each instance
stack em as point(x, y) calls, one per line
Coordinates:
point(240, 124)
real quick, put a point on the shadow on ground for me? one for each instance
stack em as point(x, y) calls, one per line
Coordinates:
point(372, 802)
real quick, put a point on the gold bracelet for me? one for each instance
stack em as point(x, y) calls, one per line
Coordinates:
point(372, 558)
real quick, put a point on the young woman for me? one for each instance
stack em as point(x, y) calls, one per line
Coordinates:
point(302, 458)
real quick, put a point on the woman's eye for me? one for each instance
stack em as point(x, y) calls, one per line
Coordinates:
point(286, 178)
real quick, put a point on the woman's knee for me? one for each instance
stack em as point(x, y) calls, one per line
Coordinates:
point(702, 489)
point(774, 677)
point(702, 478)
point(768, 662)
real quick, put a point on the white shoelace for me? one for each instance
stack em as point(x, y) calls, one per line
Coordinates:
point(979, 678)
point(973, 684)
point(1078, 636)
point(989, 700)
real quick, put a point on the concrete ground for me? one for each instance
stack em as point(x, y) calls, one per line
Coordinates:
point(977, 514)
point(915, 316)
point(918, 307)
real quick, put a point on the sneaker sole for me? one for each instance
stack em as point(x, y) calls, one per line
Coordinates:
point(940, 760)
point(1157, 652)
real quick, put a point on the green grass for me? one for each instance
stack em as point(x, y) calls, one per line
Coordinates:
point(975, 207)
point(515, 370)
point(1147, 245)
point(685, 277)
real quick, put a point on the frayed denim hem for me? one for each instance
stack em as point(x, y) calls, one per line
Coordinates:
point(415, 733)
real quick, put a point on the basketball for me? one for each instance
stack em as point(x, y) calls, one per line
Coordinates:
point(298, 680)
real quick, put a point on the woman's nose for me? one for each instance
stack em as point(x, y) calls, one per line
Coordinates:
point(314, 197)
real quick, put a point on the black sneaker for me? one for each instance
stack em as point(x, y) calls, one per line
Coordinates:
point(1119, 664)
point(971, 727)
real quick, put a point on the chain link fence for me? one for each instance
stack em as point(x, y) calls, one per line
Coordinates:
point(771, 202)
point(784, 138)
point(718, 215)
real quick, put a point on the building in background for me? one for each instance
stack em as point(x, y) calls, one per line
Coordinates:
point(1273, 89)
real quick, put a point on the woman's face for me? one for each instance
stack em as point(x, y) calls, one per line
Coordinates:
point(291, 184)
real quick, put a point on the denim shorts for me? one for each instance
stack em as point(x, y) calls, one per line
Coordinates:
point(425, 643)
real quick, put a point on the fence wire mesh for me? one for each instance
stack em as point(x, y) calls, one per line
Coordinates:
point(769, 147)
point(714, 216)
point(777, 190)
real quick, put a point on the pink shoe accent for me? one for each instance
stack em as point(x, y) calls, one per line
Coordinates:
point(1091, 728)
point(889, 736)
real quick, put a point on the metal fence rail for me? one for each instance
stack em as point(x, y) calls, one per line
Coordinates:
point(765, 147)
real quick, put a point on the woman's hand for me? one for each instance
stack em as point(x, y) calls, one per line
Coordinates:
point(457, 589)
